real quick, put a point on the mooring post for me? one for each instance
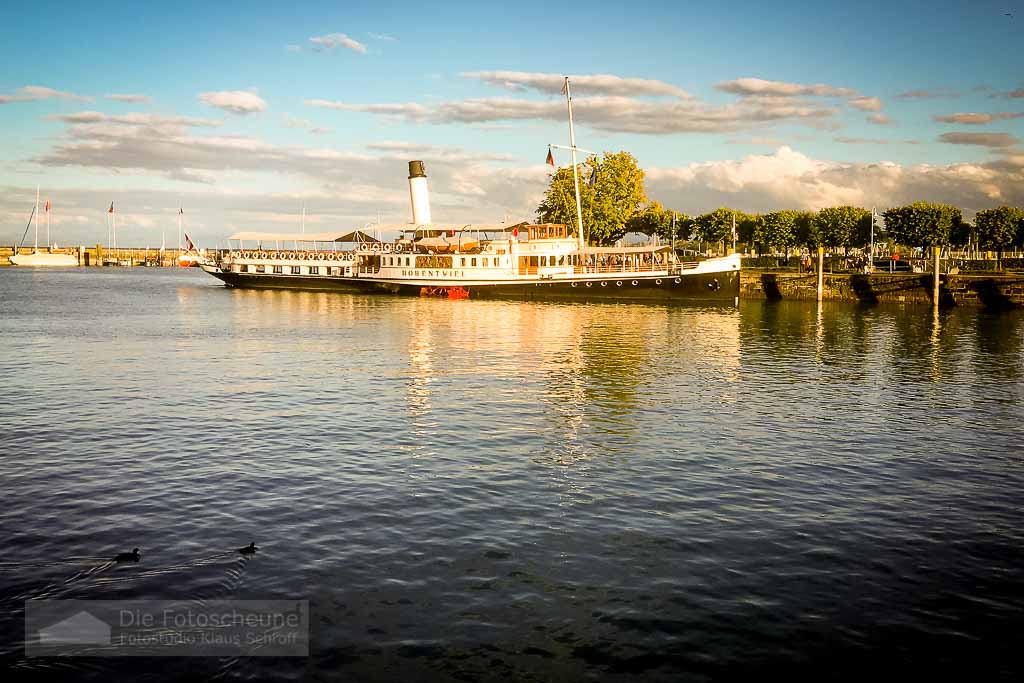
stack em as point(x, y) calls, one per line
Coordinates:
point(935, 290)
point(821, 273)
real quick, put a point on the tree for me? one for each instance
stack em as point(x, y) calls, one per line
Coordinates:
point(922, 224)
point(715, 226)
point(776, 229)
point(654, 219)
point(999, 228)
point(840, 226)
point(807, 234)
point(616, 195)
point(746, 225)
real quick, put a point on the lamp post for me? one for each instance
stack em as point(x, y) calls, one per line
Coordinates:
point(871, 258)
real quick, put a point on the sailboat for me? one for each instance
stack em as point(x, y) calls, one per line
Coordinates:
point(42, 258)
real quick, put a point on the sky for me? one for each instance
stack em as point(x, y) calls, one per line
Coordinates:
point(245, 114)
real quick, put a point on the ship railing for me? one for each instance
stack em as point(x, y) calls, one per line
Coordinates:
point(622, 268)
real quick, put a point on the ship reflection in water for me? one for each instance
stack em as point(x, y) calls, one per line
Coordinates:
point(488, 489)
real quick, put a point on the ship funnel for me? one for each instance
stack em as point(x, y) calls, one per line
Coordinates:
point(418, 193)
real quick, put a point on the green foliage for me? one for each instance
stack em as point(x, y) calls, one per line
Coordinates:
point(746, 226)
point(963, 233)
point(922, 224)
point(715, 226)
point(1000, 227)
point(776, 229)
point(606, 207)
point(842, 226)
point(807, 234)
point(654, 219)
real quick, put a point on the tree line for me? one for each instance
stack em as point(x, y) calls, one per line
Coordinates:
point(613, 202)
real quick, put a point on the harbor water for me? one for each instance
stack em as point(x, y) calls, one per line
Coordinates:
point(486, 490)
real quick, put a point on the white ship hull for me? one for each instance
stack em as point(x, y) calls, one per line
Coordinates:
point(40, 258)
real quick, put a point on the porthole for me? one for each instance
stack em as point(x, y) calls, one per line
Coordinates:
point(678, 280)
point(657, 282)
point(604, 283)
point(618, 283)
point(590, 284)
point(574, 284)
point(634, 283)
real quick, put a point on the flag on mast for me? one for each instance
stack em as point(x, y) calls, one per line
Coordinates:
point(550, 161)
point(188, 242)
point(47, 206)
point(181, 212)
point(111, 209)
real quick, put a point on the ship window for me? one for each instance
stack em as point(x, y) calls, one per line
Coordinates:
point(296, 270)
point(462, 261)
point(473, 262)
point(261, 269)
point(278, 269)
point(243, 268)
point(486, 261)
point(408, 260)
point(314, 270)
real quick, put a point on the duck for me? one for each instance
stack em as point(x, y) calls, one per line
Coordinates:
point(249, 549)
point(133, 556)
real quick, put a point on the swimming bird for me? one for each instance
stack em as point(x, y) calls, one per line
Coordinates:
point(249, 549)
point(133, 556)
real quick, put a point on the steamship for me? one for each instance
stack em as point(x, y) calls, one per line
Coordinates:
point(522, 260)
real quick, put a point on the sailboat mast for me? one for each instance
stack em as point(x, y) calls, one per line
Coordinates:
point(48, 242)
point(575, 173)
point(37, 219)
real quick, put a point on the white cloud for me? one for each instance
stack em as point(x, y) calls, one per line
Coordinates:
point(32, 93)
point(759, 86)
point(597, 84)
point(859, 141)
point(135, 119)
point(238, 102)
point(929, 94)
point(134, 98)
point(303, 124)
point(409, 110)
point(866, 103)
point(972, 119)
point(993, 140)
point(336, 40)
point(789, 179)
point(608, 113)
point(383, 37)
point(880, 120)
point(1011, 95)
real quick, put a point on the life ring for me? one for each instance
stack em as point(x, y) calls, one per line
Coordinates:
point(363, 246)
point(321, 256)
point(245, 254)
point(262, 255)
point(399, 248)
point(375, 247)
point(488, 248)
point(387, 248)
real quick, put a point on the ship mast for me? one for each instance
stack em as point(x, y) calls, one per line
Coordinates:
point(575, 173)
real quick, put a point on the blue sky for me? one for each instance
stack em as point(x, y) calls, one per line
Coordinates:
point(245, 112)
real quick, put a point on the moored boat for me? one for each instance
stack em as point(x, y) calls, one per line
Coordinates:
point(42, 258)
point(546, 261)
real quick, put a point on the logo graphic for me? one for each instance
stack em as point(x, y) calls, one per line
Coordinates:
point(81, 629)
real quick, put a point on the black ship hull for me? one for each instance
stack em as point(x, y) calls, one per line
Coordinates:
point(720, 286)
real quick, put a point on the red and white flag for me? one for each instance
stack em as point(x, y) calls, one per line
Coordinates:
point(550, 161)
point(111, 209)
point(47, 206)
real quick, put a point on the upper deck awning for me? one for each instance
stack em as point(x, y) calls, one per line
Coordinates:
point(626, 250)
point(350, 236)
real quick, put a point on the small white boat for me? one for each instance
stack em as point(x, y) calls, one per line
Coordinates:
point(47, 257)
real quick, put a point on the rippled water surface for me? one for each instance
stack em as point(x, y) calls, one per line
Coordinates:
point(489, 490)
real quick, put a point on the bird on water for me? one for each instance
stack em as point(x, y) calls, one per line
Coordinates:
point(249, 549)
point(133, 556)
